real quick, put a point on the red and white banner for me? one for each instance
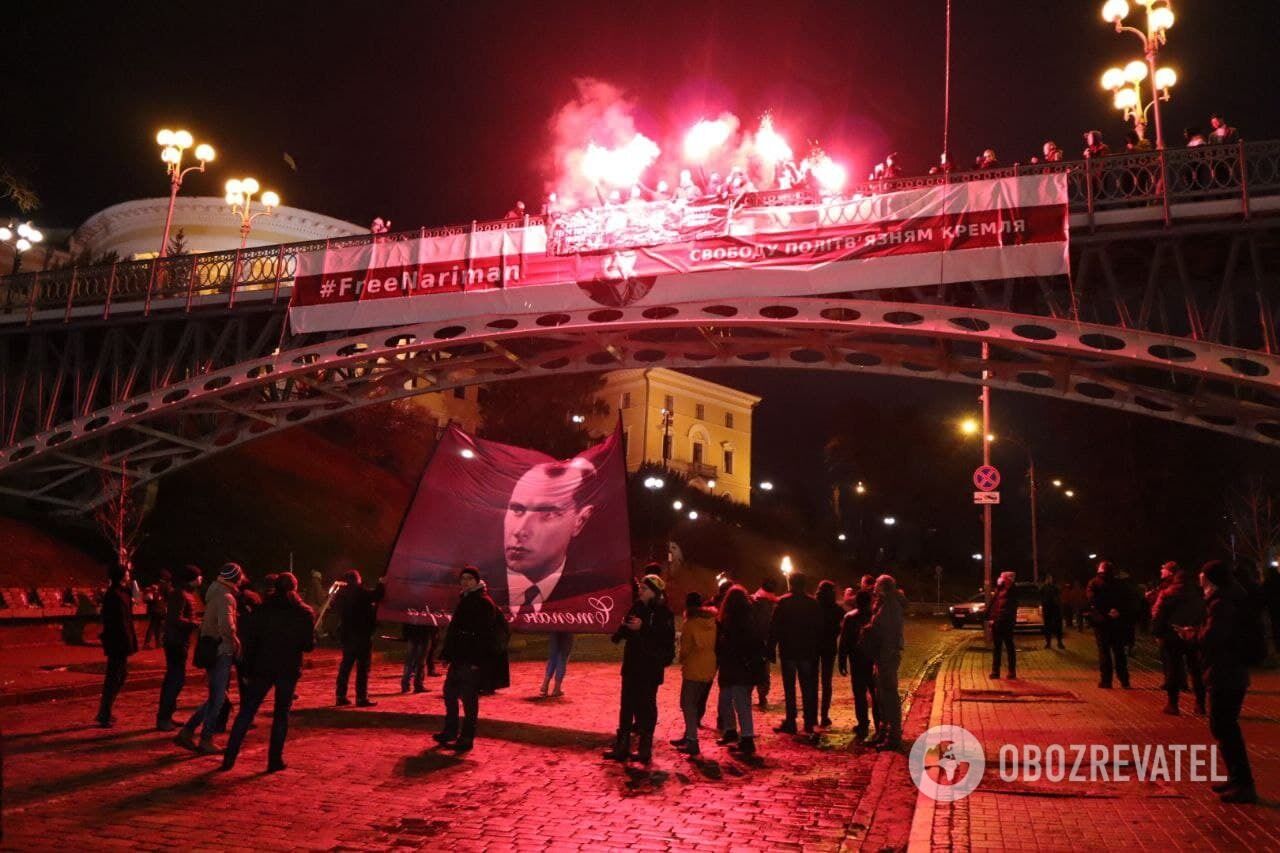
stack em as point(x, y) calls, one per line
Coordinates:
point(969, 231)
point(549, 537)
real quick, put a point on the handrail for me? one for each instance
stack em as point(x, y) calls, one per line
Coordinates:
point(1240, 171)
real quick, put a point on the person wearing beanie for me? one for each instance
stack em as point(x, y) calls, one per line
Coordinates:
point(119, 640)
point(794, 637)
point(697, 669)
point(275, 636)
point(219, 626)
point(357, 609)
point(856, 661)
point(1108, 605)
point(649, 632)
point(474, 648)
point(1003, 616)
point(883, 638)
point(763, 603)
point(179, 621)
point(1222, 641)
point(1179, 603)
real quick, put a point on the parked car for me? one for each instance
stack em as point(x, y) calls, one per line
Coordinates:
point(974, 611)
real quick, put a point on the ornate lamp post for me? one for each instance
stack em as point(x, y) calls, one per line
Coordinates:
point(23, 236)
point(1154, 37)
point(173, 146)
point(240, 193)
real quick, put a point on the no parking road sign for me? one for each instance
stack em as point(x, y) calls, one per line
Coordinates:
point(986, 478)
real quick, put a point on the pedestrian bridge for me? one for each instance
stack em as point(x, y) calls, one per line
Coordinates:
point(139, 368)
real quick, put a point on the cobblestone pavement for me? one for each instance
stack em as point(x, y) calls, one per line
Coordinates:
point(373, 779)
point(1057, 701)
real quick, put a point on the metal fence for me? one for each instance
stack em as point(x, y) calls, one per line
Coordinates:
point(1154, 179)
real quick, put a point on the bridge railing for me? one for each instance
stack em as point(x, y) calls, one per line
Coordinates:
point(1234, 172)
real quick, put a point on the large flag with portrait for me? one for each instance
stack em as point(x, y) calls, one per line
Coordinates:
point(550, 537)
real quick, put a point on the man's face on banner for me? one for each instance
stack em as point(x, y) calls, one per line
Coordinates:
point(542, 518)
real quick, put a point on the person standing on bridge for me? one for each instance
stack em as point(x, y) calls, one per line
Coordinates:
point(119, 640)
point(883, 638)
point(179, 621)
point(794, 635)
point(1003, 617)
point(358, 609)
point(1108, 605)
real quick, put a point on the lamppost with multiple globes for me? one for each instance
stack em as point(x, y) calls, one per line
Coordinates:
point(173, 147)
point(23, 236)
point(1126, 83)
point(240, 193)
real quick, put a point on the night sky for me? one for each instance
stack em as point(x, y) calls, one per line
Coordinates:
point(436, 112)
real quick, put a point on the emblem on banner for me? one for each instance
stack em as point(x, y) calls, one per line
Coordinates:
point(617, 285)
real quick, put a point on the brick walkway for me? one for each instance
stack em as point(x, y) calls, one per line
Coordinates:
point(1076, 816)
point(372, 779)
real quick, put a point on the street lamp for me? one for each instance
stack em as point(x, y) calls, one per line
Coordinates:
point(1130, 100)
point(677, 505)
point(711, 484)
point(693, 515)
point(23, 236)
point(860, 489)
point(173, 146)
point(890, 521)
point(654, 482)
point(766, 486)
point(841, 537)
point(240, 193)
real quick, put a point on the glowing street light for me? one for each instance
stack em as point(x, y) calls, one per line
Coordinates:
point(977, 557)
point(677, 505)
point(240, 193)
point(693, 515)
point(173, 147)
point(1093, 556)
point(1070, 493)
point(1057, 484)
point(890, 521)
point(1126, 83)
point(860, 489)
point(840, 537)
point(711, 484)
point(467, 453)
point(578, 419)
point(767, 486)
point(970, 426)
point(23, 236)
point(654, 482)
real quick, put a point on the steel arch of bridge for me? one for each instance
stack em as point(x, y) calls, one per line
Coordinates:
point(178, 422)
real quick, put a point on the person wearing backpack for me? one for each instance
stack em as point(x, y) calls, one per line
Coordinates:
point(1222, 642)
point(649, 631)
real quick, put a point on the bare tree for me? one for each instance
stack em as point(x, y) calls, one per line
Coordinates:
point(119, 518)
point(1253, 512)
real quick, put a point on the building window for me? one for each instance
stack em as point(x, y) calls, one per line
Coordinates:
point(626, 399)
point(700, 412)
point(482, 394)
point(697, 452)
point(728, 461)
point(666, 447)
point(728, 420)
point(669, 403)
point(460, 392)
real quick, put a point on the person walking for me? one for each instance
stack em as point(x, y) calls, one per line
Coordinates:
point(558, 652)
point(473, 645)
point(219, 632)
point(1003, 617)
point(697, 659)
point(358, 609)
point(649, 632)
point(275, 636)
point(119, 640)
point(763, 602)
point(1179, 604)
point(883, 638)
point(179, 622)
point(739, 657)
point(1222, 641)
point(419, 656)
point(828, 640)
point(1051, 612)
point(855, 661)
point(794, 635)
point(1108, 603)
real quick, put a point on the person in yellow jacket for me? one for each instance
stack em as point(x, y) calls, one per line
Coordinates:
point(697, 667)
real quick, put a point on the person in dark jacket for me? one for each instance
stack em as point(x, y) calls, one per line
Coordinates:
point(883, 638)
point(179, 623)
point(473, 646)
point(1003, 616)
point(1179, 604)
point(419, 656)
point(1051, 612)
point(358, 609)
point(832, 615)
point(739, 659)
point(274, 637)
point(1221, 643)
point(794, 634)
point(157, 601)
point(854, 660)
point(119, 640)
point(649, 631)
point(762, 605)
point(1109, 602)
